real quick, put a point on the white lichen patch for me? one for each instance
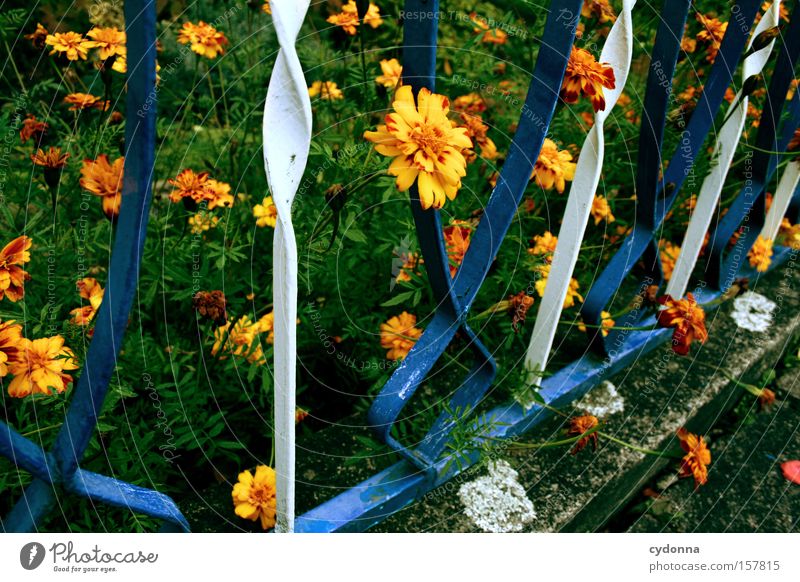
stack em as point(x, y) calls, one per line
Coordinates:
point(496, 502)
point(753, 312)
point(602, 401)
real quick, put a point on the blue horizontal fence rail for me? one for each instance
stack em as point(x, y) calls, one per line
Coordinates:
point(424, 467)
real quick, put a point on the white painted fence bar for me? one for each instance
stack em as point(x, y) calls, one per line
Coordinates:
point(287, 139)
point(726, 145)
point(617, 52)
point(781, 200)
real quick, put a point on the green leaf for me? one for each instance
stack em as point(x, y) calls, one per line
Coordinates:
point(398, 299)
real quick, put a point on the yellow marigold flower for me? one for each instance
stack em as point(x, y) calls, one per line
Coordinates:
point(32, 128)
point(581, 425)
point(601, 210)
point(392, 73)
point(398, 335)
point(40, 366)
point(38, 37)
point(110, 42)
point(554, 167)
point(544, 244)
point(425, 146)
point(600, 9)
point(325, 90)
point(218, 194)
point(254, 496)
point(266, 8)
point(10, 337)
point(410, 263)
point(572, 291)
point(476, 131)
point(266, 213)
point(760, 256)
point(241, 340)
point(80, 101)
point(104, 179)
point(71, 44)
point(89, 289)
point(490, 35)
point(456, 242)
point(471, 103)
point(584, 75)
point(202, 221)
point(606, 323)
point(266, 324)
point(687, 318)
point(669, 255)
point(790, 234)
point(712, 32)
point(121, 66)
point(12, 275)
point(204, 39)
point(697, 458)
point(348, 21)
point(51, 159)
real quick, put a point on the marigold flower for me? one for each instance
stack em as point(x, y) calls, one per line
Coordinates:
point(38, 37)
point(189, 185)
point(52, 159)
point(794, 143)
point(790, 234)
point(518, 306)
point(266, 213)
point(89, 289)
point(544, 244)
point(32, 128)
point(425, 146)
point(760, 256)
point(554, 167)
point(218, 194)
point(766, 398)
point(266, 324)
point(712, 33)
point(71, 44)
point(584, 75)
point(398, 335)
point(392, 74)
point(606, 323)
point(239, 339)
point(10, 337)
point(254, 496)
point(300, 415)
point(601, 210)
point(325, 90)
point(40, 366)
point(81, 101)
point(204, 39)
point(348, 20)
point(471, 103)
point(266, 8)
point(104, 179)
point(476, 131)
point(12, 275)
point(573, 293)
point(581, 425)
point(669, 255)
point(456, 242)
point(687, 318)
point(600, 9)
point(697, 458)
point(490, 35)
point(202, 222)
point(408, 264)
point(110, 41)
point(211, 305)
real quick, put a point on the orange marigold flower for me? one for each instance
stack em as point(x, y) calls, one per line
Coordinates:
point(52, 159)
point(476, 131)
point(266, 213)
point(38, 37)
point(348, 20)
point(584, 75)
point(325, 90)
point(471, 103)
point(254, 497)
point(71, 44)
point(697, 458)
point(456, 242)
point(218, 194)
point(554, 167)
point(80, 101)
point(204, 39)
point(606, 323)
point(398, 335)
point(12, 275)
point(601, 210)
point(104, 179)
point(211, 305)
point(300, 415)
point(410, 262)
point(266, 324)
point(543, 272)
point(40, 366)
point(189, 185)
point(266, 8)
point(544, 244)
point(518, 306)
point(600, 9)
point(760, 256)
point(794, 143)
point(10, 337)
point(425, 146)
point(32, 128)
point(712, 32)
point(490, 35)
point(790, 234)
point(239, 339)
point(392, 74)
point(580, 425)
point(110, 41)
point(89, 289)
point(687, 318)
point(669, 255)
